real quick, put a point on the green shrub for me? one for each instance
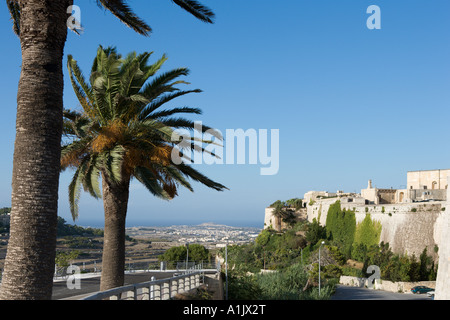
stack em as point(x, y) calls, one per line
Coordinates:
point(315, 232)
point(197, 252)
point(368, 232)
point(341, 227)
point(242, 286)
point(283, 285)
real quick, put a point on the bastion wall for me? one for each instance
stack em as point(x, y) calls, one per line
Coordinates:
point(443, 275)
point(407, 227)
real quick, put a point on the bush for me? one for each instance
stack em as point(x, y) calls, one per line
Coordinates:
point(315, 232)
point(283, 285)
point(64, 229)
point(368, 232)
point(341, 227)
point(242, 286)
point(196, 253)
point(395, 267)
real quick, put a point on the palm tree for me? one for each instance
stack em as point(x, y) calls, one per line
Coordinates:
point(42, 30)
point(122, 134)
point(282, 213)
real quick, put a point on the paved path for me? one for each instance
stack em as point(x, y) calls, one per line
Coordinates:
point(91, 284)
point(355, 293)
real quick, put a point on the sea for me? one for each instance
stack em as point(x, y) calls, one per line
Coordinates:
point(167, 223)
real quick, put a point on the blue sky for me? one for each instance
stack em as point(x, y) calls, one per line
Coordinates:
point(351, 104)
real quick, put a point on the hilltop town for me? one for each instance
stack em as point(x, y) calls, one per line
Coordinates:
point(412, 219)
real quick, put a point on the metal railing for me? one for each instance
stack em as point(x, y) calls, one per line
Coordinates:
point(95, 267)
point(163, 289)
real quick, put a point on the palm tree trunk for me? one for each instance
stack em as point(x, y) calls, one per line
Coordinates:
point(115, 202)
point(30, 259)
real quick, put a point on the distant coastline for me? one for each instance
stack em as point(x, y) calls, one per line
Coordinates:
point(148, 223)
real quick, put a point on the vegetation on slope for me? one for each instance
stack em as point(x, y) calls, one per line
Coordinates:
point(292, 257)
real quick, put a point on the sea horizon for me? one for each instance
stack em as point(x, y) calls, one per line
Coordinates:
point(169, 223)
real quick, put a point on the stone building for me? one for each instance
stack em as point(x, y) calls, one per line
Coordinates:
point(378, 196)
point(424, 185)
point(428, 179)
point(412, 219)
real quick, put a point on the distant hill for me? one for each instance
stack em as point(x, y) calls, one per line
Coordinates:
point(211, 224)
point(5, 210)
point(65, 229)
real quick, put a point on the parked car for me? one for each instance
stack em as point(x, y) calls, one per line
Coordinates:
point(421, 289)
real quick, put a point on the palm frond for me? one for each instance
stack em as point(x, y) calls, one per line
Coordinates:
point(75, 188)
point(83, 90)
point(157, 103)
point(74, 152)
point(195, 175)
point(123, 12)
point(112, 163)
point(76, 124)
point(145, 176)
point(176, 175)
point(91, 179)
point(161, 84)
point(149, 71)
point(107, 83)
point(182, 123)
point(130, 77)
point(196, 9)
point(170, 112)
point(71, 114)
point(14, 11)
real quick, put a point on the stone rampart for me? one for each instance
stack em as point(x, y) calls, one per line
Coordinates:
point(407, 227)
point(443, 275)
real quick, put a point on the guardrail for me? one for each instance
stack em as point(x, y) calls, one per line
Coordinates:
point(95, 266)
point(163, 289)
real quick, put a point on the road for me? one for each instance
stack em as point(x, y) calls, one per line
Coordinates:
point(355, 293)
point(92, 284)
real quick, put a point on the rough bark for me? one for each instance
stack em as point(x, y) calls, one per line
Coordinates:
point(29, 264)
point(115, 202)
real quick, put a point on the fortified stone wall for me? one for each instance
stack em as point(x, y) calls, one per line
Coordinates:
point(443, 276)
point(408, 228)
point(278, 224)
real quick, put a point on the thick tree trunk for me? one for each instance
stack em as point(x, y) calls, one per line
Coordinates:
point(30, 259)
point(115, 202)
